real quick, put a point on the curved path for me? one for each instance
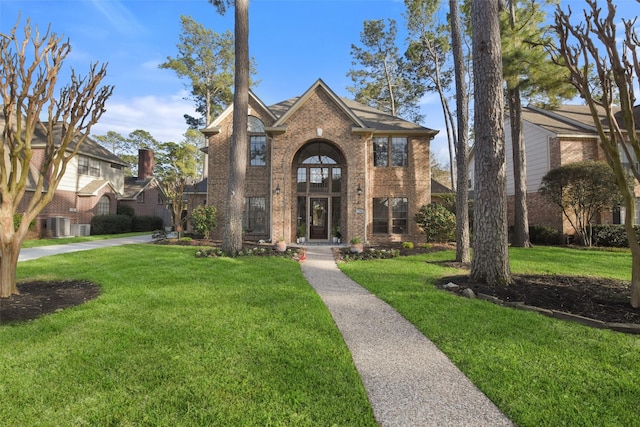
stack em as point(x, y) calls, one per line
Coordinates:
point(409, 381)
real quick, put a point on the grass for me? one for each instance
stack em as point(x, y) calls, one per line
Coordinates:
point(538, 370)
point(36, 243)
point(179, 340)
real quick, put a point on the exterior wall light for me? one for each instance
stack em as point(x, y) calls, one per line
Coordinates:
point(359, 190)
point(278, 190)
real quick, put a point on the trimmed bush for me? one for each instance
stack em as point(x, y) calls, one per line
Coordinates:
point(544, 235)
point(437, 223)
point(146, 223)
point(612, 235)
point(110, 224)
point(126, 210)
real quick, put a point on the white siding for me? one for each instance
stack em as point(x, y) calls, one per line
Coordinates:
point(537, 152)
point(72, 181)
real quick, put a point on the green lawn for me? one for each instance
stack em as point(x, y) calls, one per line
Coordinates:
point(176, 340)
point(35, 243)
point(538, 370)
point(179, 340)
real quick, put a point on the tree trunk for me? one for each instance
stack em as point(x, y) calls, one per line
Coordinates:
point(463, 252)
point(490, 256)
point(232, 242)
point(8, 266)
point(634, 245)
point(521, 214)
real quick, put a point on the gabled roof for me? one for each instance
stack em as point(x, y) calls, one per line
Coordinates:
point(564, 120)
point(214, 126)
point(318, 85)
point(133, 187)
point(439, 188)
point(364, 118)
point(92, 188)
point(88, 148)
point(199, 187)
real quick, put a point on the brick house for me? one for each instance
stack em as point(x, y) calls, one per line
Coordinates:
point(144, 193)
point(553, 138)
point(319, 164)
point(92, 185)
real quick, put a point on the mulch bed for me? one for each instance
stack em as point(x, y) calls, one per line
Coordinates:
point(601, 299)
point(39, 298)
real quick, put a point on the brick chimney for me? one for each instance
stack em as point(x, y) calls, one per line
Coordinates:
point(145, 164)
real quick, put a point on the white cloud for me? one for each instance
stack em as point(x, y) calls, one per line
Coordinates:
point(161, 116)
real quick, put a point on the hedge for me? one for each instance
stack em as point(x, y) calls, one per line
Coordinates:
point(146, 223)
point(110, 224)
point(612, 235)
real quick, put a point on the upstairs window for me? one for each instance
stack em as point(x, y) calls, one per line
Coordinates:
point(257, 142)
point(257, 150)
point(392, 151)
point(88, 166)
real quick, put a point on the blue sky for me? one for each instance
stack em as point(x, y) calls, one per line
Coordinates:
point(294, 42)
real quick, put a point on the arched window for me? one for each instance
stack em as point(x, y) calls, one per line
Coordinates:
point(104, 206)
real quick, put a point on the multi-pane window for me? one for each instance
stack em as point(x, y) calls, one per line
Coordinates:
point(399, 215)
point(88, 166)
point(394, 208)
point(399, 152)
point(390, 151)
point(380, 215)
point(380, 151)
point(254, 215)
point(104, 205)
point(257, 150)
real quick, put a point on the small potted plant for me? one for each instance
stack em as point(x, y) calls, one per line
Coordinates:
point(356, 245)
point(281, 245)
point(301, 233)
point(336, 234)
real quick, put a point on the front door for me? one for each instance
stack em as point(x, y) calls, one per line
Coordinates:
point(318, 226)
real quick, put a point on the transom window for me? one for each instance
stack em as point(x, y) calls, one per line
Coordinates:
point(318, 170)
point(390, 151)
point(394, 208)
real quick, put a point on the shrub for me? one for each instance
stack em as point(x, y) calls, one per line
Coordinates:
point(437, 223)
point(125, 210)
point(203, 220)
point(612, 235)
point(17, 219)
point(146, 223)
point(544, 235)
point(407, 245)
point(110, 224)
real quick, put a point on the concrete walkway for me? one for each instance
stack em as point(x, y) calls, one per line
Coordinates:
point(33, 253)
point(409, 381)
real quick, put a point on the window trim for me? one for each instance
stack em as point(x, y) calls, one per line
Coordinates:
point(390, 218)
point(386, 158)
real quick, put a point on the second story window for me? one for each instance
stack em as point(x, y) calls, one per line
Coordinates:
point(257, 150)
point(257, 142)
point(88, 166)
point(390, 151)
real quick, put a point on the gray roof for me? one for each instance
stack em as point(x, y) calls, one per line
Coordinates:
point(564, 120)
point(133, 186)
point(369, 117)
point(88, 148)
point(93, 187)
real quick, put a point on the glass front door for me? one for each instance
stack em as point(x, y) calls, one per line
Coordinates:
point(318, 218)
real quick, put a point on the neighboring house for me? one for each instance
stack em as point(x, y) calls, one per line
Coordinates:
point(91, 185)
point(552, 138)
point(144, 193)
point(318, 164)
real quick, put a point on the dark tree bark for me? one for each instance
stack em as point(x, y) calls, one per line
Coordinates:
point(232, 242)
point(463, 252)
point(490, 256)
